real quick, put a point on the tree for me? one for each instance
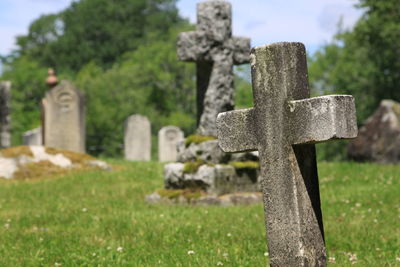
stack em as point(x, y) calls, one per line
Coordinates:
point(363, 62)
point(96, 30)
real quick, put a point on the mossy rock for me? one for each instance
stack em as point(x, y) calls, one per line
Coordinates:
point(239, 165)
point(176, 193)
point(32, 162)
point(192, 166)
point(197, 139)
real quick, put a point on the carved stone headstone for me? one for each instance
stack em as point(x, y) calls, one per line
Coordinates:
point(283, 126)
point(33, 137)
point(5, 118)
point(137, 138)
point(64, 118)
point(168, 139)
point(215, 52)
point(379, 138)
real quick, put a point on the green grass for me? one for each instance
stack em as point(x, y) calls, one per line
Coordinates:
point(82, 219)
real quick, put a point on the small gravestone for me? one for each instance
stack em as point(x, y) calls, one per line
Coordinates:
point(64, 118)
point(5, 118)
point(379, 138)
point(137, 138)
point(33, 137)
point(168, 139)
point(215, 52)
point(283, 126)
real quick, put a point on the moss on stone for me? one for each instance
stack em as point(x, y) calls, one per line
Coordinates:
point(176, 193)
point(192, 166)
point(197, 139)
point(38, 170)
point(16, 151)
point(245, 164)
point(76, 158)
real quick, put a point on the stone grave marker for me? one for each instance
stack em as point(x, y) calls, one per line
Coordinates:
point(137, 138)
point(283, 126)
point(168, 139)
point(64, 118)
point(33, 137)
point(5, 118)
point(215, 52)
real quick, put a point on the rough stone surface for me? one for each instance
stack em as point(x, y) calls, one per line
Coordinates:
point(12, 162)
point(242, 198)
point(215, 52)
point(216, 179)
point(207, 151)
point(137, 138)
point(5, 116)
point(64, 118)
point(379, 138)
point(33, 137)
point(168, 139)
point(282, 117)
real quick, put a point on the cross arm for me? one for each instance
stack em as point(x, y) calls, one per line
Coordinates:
point(236, 130)
point(321, 119)
point(241, 53)
point(187, 44)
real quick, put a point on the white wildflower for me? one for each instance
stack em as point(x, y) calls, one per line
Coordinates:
point(266, 254)
point(190, 252)
point(332, 260)
point(120, 249)
point(84, 210)
point(219, 263)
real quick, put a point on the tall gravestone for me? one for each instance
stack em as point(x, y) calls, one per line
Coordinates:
point(215, 52)
point(64, 118)
point(33, 137)
point(283, 126)
point(137, 138)
point(5, 118)
point(168, 139)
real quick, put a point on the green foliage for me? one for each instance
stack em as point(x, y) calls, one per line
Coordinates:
point(188, 194)
point(245, 164)
point(148, 81)
point(82, 219)
point(28, 88)
point(96, 30)
point(362, 62)
point(197, 139)
point(244, 92)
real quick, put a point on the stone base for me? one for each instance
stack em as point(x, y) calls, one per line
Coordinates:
point(206, 167)
point(204, 199)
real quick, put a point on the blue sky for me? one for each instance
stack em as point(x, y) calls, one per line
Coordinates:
point(312, 22)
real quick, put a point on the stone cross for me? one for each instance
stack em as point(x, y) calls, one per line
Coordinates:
point(137, 138)
point(283, 126)
point(5, 118)
point(64, 118)
point(215, 52)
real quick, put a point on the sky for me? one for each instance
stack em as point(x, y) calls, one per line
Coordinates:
point(313, 22)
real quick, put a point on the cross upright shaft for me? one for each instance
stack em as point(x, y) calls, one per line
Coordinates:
point(215, 52)
point(284, 125)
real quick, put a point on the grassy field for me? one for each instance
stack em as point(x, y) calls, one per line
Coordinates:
point(100, 219)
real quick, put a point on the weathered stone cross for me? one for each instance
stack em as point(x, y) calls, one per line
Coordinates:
point(283, 126)
point(215, 52)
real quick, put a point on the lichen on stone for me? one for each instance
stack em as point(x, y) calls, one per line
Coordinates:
point(245, 164)
point(197, 139)
point(176, 193)
point(16, 151)
point(192, 166)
